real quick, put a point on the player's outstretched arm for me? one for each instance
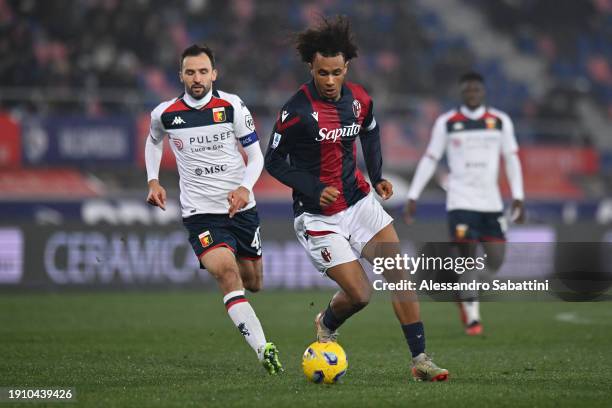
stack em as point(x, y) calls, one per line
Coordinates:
point(372, 155)
point(154, 149)
point(426, 167)
point(513, 170)
point(515, 179)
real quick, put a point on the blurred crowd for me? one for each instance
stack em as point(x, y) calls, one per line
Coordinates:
point(107, 46)
point(572, 37)
point(102, 56)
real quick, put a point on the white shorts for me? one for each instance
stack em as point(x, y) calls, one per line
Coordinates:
point(332, 240)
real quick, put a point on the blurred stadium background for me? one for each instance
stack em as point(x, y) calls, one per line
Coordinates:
point(78, 80)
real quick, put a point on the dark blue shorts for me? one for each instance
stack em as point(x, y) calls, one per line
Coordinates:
point(469, 226)
point(240, 234)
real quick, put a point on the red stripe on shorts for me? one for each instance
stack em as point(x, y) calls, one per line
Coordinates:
point(319, 233)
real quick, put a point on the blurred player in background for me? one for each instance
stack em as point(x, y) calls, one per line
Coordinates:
point(473, 137)
point(205, 126)
point(337, 218)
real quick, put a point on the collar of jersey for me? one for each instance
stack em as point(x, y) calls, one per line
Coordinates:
point(473, 114)
point(197, 103)
point(315, 93)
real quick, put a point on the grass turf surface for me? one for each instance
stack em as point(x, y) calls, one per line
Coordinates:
point(181, 349)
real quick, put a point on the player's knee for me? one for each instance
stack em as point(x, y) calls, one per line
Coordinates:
point(253, 285)
point(360, 304)
point(361, 300)
point(226, 274)
point(495, 260)
point(252, 276)
point(494, 263)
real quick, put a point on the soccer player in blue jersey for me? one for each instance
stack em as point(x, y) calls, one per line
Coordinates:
point(337, 218)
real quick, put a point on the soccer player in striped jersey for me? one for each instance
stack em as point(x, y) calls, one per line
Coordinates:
point(473, 136)
point(337, 218)
point(204, 126)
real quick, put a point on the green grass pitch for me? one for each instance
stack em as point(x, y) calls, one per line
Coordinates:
point(180, 349)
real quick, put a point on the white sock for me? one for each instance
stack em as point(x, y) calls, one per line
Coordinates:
point(472, 311)
point(245, 319)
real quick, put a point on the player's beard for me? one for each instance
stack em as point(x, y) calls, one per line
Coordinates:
point(191, 92)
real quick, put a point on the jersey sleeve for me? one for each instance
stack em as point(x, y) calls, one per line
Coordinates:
point(438, 140)
point(156, 130)
point(509, 144)
point(154, 147)
point(427, 165)
point(369, 122)
point(511, 159)
point(370, 145)
point(244, 126)
point(281, 145)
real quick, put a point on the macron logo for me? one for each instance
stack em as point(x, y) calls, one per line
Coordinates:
point(178, 120)
point(315, 115)
point(284, 115)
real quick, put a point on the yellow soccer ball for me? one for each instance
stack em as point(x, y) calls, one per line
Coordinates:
point(324, 362)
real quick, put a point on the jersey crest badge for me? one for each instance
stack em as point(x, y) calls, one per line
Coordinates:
point(326, 255)
point(205, 239)
point(461, 231)
point(219, 114)
point(249, 123)
point(356, 108)
point(491, 123)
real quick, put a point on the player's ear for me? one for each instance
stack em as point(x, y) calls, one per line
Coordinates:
point(311, 68)
point(181, 77)
point(214, 74)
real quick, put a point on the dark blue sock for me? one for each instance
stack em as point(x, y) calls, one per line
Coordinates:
point(415, 336)
point(330, 320)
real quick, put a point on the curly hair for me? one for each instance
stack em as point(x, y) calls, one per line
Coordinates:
point(330, 38)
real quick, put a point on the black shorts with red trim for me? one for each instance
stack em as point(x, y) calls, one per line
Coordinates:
point(240, 234)
point(476, 226)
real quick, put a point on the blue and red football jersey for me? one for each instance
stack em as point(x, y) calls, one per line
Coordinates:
point(318, 138)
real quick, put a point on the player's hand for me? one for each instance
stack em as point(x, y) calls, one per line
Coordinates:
point(384, 189)
point(157, 195)
point(518, 212)
point(328, 196)
point(409, 211)
point(237, 200)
